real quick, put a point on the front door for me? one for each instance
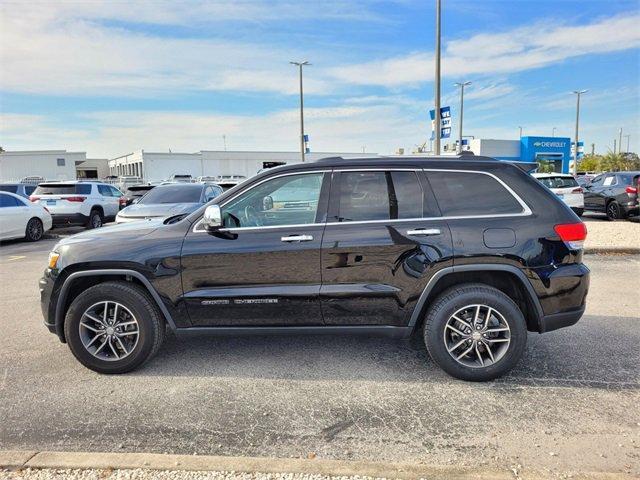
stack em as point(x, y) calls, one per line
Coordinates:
point(382, 243)
point(263, 267)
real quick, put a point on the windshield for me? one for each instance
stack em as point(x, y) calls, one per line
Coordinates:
point(173, 194)
point(559, 182)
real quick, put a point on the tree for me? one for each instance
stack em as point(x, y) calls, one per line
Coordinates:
point(590, 163)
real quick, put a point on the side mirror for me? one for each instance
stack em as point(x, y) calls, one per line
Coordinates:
point(267, 203)
point(212, 218)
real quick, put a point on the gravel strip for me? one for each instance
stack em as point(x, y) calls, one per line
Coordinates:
point(604, 234)
point(46, 474)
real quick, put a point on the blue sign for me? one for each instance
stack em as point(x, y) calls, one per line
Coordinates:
point(553, 151)
point(445, 122)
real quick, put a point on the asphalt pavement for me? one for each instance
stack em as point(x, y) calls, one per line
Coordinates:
point(570, 405)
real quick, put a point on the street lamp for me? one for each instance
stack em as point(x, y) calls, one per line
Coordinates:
point(520, 128)
point(575, 150)
point(436, 113)
point(553, 132)
point(461, 85)
point(627, 137)
point(302, 147)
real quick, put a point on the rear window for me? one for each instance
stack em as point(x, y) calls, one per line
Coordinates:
point(463, 194)
point(9, 188)
point(63, 189)
point(173, 194)
point(558, 182)
point(629, 178)
point(139, 190)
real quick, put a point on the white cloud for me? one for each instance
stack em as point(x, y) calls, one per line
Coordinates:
point(488, 54)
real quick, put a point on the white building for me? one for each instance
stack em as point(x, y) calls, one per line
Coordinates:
point(156, 166)
point(52, 165)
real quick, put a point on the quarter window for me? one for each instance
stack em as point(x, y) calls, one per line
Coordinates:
point(464, 194)
point(288, 200)
point(367, 196)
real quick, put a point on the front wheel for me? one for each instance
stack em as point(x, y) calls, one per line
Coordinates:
point(475, 332)
point(614, 212)
point(114, 327)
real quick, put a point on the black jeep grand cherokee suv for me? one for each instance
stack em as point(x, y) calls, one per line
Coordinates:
point(471, 252)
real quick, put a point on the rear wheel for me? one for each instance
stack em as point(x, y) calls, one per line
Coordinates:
point(114, 327)
point(34, 230)
point(475, 332)
point(95, 219)
point(614, 212)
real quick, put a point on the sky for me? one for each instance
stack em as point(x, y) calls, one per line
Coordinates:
point(112, 77)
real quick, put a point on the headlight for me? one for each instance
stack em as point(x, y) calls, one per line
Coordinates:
point(53, 259)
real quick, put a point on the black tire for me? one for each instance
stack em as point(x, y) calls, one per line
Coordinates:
point(614, 212)
point(455, 298)
point(578, 211)
point(95, 219)
point(151, 325)
point(34, 230)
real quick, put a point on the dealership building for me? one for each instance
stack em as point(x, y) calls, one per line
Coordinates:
point(553, 154)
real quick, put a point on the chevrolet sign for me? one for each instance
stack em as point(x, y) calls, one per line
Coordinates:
point(550, 144)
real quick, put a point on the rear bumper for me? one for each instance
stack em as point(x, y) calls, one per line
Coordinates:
point(65, 219)
point(548, 323)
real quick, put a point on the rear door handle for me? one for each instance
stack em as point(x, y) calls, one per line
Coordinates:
point(424, 231)
point(297, 238)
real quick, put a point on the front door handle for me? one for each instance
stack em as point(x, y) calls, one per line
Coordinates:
point(297, 238)
point(424, 231)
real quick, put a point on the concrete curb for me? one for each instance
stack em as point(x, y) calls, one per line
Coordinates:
point(152, 461)
point(612, 251)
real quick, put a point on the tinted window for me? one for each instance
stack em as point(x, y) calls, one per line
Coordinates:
point(364, 196)
point(115, 192)
point(28, 189)
point(464, 194)
point(173, 194)
point(9, 188)
point(63, 189)
point(288, 200)
point(9, 201)
point(558, 182)
point(104, 190)
point(379, 196)
point(597, 181)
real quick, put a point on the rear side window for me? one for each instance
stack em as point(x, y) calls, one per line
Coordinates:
point(104, 190)
point(9, 188)
point(9, 201)
point(366, 196)
point(29, 189)
point(558, 182)
point(463, 194)
point(63, 189)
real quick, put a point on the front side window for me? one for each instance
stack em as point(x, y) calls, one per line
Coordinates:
point(465, 194)
point(9, 188)
point(287, 200)
point(8, 201)
point(369, 196)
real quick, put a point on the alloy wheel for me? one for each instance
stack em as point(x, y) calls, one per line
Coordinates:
point(35, 230)
point(109, 331)
point(96, 221)
point(612, 211)
point(477, 336)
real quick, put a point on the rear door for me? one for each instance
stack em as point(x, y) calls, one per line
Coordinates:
point(383, 241)
point(13, 216)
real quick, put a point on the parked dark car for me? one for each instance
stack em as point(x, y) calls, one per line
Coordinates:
point(472, 253)
point(613, 193)
point(168, 200)
point(135, 192)
point(23, 189)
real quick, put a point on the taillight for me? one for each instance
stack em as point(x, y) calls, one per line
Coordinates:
point(34, 198)
point(577, 190)
point(572, 234)
point(75, 199)
point(122, 201)
point(631, 190)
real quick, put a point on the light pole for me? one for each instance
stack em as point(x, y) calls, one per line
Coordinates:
point(575, 150)
point(461, 85)
point(436, 113)
point(302, 148)
point(627, 137)
point(553, 132)
point(520, 128)
point(620, 141)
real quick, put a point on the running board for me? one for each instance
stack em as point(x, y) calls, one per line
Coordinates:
point(384, 330)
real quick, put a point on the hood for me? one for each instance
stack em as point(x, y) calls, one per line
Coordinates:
point(158, 210)
point(123, 230)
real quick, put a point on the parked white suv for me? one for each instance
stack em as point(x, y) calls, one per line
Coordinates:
point(79, 202)
point(566, 187)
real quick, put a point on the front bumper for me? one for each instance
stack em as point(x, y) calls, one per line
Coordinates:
point(46, 285)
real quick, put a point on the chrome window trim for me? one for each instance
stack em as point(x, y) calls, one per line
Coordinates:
point(526, 211)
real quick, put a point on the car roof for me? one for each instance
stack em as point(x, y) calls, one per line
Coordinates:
point(547, 175)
